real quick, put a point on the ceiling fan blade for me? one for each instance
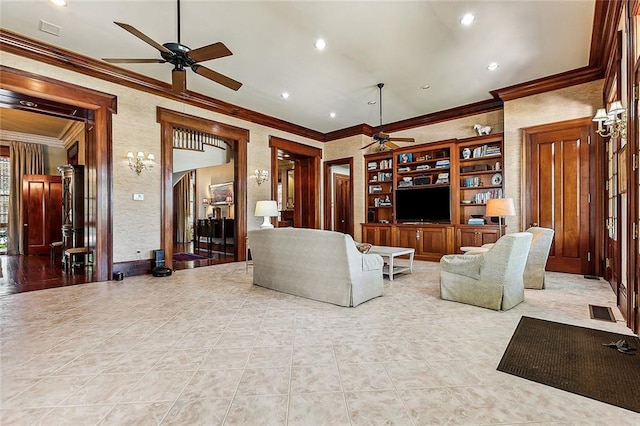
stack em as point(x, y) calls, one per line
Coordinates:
point(212, 51)
point(216, 76)
point(179, 80)
point(402, 139)
point(133, 61)
point(143, 37)
point(367, 146)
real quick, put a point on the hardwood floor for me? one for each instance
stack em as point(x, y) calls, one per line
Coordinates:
point(28, 273)
point(214, 256)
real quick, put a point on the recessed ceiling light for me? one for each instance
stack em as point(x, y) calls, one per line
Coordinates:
point(285, 95)
point(59, 2)
point(425, 87)
point(371, 102)
point(320, 44)
point(467, 19)
point(332, 114)
point(493, 66)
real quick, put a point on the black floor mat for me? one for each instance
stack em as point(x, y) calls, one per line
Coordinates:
point(575, 359)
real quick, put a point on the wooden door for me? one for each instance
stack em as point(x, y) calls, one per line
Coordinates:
point(41, 212)
point(557, 191)
point(342, 215)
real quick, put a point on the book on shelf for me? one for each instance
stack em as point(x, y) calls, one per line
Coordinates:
point(442, 163)
point(482, 197)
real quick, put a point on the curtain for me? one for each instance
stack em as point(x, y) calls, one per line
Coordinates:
point(182, 209)
point(26, 159)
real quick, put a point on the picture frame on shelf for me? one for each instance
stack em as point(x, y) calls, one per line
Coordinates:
point(405, 158)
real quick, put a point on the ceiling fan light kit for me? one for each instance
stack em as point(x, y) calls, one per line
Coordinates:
point(181, 57)
point(380, 137)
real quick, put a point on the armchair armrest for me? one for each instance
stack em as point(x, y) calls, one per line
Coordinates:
point(462, 264)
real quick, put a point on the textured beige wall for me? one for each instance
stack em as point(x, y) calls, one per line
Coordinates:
point(565, 104)
point(136, 224)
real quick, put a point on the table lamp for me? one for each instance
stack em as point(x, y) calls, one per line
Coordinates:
point(500, 207)
point(266, 208)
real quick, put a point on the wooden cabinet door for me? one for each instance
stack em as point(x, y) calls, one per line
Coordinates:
point(475, 236)
point(41, 212)
point(377, 235)
point(433, 242)
point(408, 237)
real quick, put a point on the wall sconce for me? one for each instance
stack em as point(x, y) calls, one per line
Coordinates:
point(615, 121)
point(260, 175)
point(139, 163)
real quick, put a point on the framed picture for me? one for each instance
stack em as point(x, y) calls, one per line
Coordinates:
point(221, 193)
point(622, 170)
point(405, 158)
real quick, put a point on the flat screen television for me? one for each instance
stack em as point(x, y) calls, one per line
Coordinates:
point(430, 204)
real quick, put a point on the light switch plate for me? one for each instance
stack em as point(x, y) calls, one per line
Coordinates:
point(138, 197)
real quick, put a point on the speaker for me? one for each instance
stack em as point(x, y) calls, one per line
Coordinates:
point(371, 215)
point(422, 180)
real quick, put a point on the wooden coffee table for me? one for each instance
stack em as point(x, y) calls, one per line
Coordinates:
point(391, 253)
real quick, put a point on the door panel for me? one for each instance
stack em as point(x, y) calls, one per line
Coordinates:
point(42, 212)
point(342, 204)
point(558, 178)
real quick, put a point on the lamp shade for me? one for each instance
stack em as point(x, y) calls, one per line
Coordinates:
point(266, 208)
point(500, 207)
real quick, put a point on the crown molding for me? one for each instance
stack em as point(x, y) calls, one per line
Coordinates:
point(547, 84)
point(9, 136)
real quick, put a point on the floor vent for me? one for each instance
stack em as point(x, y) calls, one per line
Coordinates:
point(603, 313)
point(591, 277)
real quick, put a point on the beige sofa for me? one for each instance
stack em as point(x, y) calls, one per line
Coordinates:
point(316, 264)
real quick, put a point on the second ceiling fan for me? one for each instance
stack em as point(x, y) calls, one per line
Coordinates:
point(380, 137)
point(181, 57)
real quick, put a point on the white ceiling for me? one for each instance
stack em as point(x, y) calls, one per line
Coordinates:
point(405, 44)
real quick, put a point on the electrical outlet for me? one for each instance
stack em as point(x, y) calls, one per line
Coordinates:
point(138, 197)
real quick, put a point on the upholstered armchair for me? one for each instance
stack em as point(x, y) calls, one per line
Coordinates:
point(493, 279)
point(541, 241)
point(538, 256)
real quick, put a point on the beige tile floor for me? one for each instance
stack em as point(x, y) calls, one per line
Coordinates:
point(204, 346)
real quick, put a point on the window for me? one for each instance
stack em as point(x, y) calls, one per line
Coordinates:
point(4, 201)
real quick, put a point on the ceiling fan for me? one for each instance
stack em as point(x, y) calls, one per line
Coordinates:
point(380, 137)
point(181, 57)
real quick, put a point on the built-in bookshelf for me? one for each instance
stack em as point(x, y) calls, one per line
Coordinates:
point(379, 186)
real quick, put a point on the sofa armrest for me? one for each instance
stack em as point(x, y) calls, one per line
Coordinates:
point(462, 264)
point(372, 262)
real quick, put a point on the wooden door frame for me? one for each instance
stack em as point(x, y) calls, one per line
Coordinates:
point(328, 194)
point(596, 206)
point(99, 162)
point(298, 151)
point(240, 137)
